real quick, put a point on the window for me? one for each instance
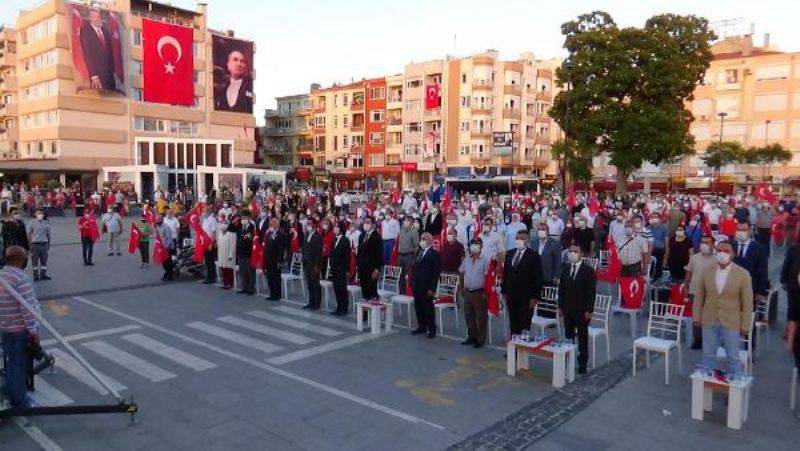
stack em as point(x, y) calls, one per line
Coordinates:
point(463, 78)
point(40, 119)
point(771, 102)
point(413, 127)
point(412, 150)
point(183, 127)
point(392, 159)
point(774, 72)
point(464, 126)
point(344, 141)
point(335, 143)
point(465, 101)
point(45, 89)
point(335, 122)
point(319, 121)
point(196, 76)
point(136, 94)
point(377, 93)
point(136, 37)
point(411, 105)
point(376, 138)
point(136, 67)
point(358, 140)
point(463, 150)
point(731, 76)
point(42, 60)
point(148, 124)
point(336, 100)
point(357, 162)
point(39, 30)
point(344, 100)
point(413, 83)
point(345, 121)
point(376, 116)
point(376, 159)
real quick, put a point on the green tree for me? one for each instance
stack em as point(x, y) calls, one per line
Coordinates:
point(577, 162)
point(625, 88)
point(722, 154)
point(766, 156)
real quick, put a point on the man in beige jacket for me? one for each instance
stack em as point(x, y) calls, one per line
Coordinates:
point(723, 306)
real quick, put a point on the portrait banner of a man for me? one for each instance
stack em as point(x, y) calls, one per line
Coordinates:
point(233, 74)
point(97, 52)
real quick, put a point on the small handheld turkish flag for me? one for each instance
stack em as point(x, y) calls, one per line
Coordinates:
point(93, 229)
point(257, 253)
point(135, 240)
point(160, 253)
point(201, 243)
point(632, 290)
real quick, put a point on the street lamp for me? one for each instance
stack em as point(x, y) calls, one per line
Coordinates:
point(722, 115)
point(569, 65)
point(766, 131)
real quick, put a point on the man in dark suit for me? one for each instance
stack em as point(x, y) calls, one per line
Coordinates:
point(244, 249)
point(576, 294)
point(427, 267)
point(369, 260)
point(312, 257)
point(752, 256)
point(522, 283)
point(340, 265)
point(274, 249)
point(433, 222)
point(98, 53)
point(549, 251)
point(237, 93)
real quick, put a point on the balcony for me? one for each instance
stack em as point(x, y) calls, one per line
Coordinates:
point(484, 157)
point(280, 131)
point(305, 148)
point(513, 90)
point(395, 121)
point(511, 113)
point(8, 84)
point(8, 60)
point(357, 106)
point(485, 110)
point(357, 128)
point(485, 85)
point(541, 162)
point(8, 109)
point(545, 96)
point(542, 139)
point(481, 134)
point(356, 149)
point(319, 108)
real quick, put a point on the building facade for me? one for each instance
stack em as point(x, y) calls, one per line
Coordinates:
point(71, 134)
point(9, 132)
point(286, 137)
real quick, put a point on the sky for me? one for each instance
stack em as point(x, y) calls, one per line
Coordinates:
point(299, 42)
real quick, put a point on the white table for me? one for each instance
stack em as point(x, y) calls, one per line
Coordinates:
point(703, 388)
point(563, 357)
point(375, 309)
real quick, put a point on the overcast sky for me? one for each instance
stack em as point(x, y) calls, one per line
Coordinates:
point(304, 41)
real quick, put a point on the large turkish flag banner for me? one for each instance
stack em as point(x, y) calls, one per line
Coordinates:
point(168, 63)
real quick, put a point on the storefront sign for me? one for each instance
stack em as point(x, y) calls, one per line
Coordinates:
point(409, 166)
point(698, 182)
point(424, 166)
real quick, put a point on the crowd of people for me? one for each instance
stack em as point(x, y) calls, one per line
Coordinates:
point(715, 249)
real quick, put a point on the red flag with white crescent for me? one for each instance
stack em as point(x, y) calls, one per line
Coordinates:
point(433, 96)
point(160, 253)
point(201, 243)
point(632, 291)
point(135, 239)
point(257, 252)
point(168, 71)
point(254, 210)
point(93, 229)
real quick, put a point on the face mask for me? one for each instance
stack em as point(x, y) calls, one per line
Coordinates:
point(573, 257)
point(693, 223)
point(542, 234)
point(451, 222)
point(619, 218)
point(520, 244)
point(475, 248)
point(110, 211)
point(245, 221)
point(368, 228)
point(569, 225)
point(336, 231)
point(723, 258)
point(424, 245)
point(628, 231)
point(705, 248)
point(39, 217)
point(451, 239)
point(222, 227)
point(741, 236)
point(654, 221)
point(680, 233)
point(325, 227)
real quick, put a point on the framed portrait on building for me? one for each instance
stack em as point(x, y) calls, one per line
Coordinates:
point(97, 50)
point(233, 74)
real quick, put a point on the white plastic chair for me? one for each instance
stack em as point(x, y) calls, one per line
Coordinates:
point(547, 303)
point(389, 283)
point(262, 289)
point(295, 275)
point(761, 317)
point(605, 256)
point(664, 323)
point(599, 325)
point(593, 263)
point(447, 286)
point(327, 288)
point(403, 300)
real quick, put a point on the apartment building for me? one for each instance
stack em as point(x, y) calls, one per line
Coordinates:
point(72, 134)
point(9, 133)
point(286, 137)
point(379, 172)
point(394, 123)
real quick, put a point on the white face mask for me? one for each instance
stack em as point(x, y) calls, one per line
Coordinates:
point(368, 228)
point(741, 236)
point(573, 257)
point(705, 249)
point(451, 239)
point(424, 245)
point(475, 248)
point(40, 217)
point(723, 258)
point(543, 234)
point(520, 244)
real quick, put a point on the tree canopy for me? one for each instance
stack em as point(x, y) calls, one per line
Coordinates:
point(625, 88)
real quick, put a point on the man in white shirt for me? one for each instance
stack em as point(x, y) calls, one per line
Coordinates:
point(209, 225)
point(714, 215)
point(511, 230)
point(390, 228)
point(172, 222)
point(555, 225)
point(493, 245)
point(409, 203)
point(617, 228)
point(337, 202)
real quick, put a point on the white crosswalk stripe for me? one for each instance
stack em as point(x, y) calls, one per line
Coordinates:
point(314, 316)
point(70, 365)
point(168, 352)
point(266, 330)
point(48, 396)
point(302, 325)
point(129, 361)
point(235, 337)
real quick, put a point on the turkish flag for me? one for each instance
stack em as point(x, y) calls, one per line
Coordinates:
point(433, 96)
point(632, 291)
point(257, 253)
point(93, 229)
point(136, 238)
point(254, 210)
point(160, 253)
point(168, 63)
point(201, 243)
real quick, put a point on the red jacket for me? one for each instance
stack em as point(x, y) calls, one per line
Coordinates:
point(85, 227)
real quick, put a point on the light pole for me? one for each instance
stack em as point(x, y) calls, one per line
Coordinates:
point(766, 142)
point(722, 115)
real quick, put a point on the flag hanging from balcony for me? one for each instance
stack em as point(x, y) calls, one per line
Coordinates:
point(433, 96)
point(168, 63)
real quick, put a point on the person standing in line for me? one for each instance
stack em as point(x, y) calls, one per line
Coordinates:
point(550, 254)
point(14, 232)
point(165, 233)
point(39, 238)
point(245, 234)
point(312, 256)
point(723, 307)
point(661, 242)
point(18, 326)
point(144, 242)
point(406, 247)
point(174, 224)
point(427, 268)
point(473, 275)
point(209, 225)
point(340, 265)
point(576, 294)
point(452, 253)
point(85, 225)
point(369, 260)
point(751, 256)
point(112, 224)
point(226, 252)
point(274, 250)
point(522, 283)
point(697, 264)
point(390, 229)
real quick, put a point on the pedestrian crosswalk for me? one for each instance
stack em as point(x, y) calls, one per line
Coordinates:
point(277, 335)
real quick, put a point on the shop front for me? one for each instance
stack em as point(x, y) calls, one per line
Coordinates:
point(348, 179)
point(386, 178)
point(417, 176)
